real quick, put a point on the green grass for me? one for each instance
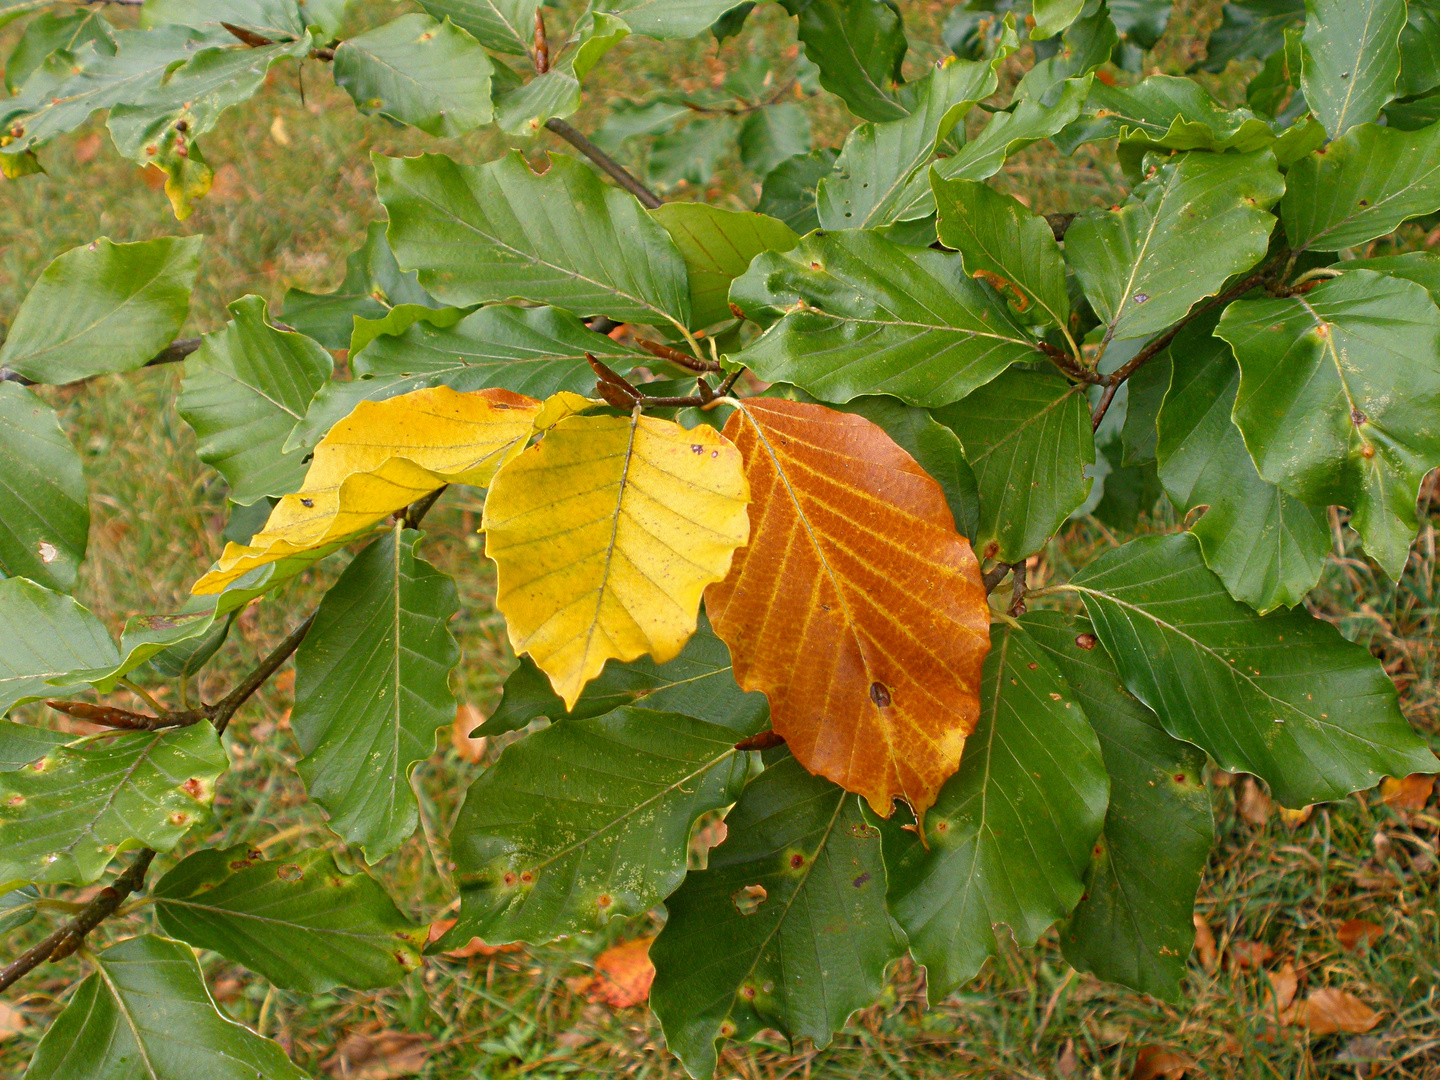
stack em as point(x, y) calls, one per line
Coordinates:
point(285, 214)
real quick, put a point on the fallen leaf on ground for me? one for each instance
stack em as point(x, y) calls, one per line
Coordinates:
point(474, 947)
point(86, 147)
point(285, 682)
point(380, 1055)
point(1205, 944)
point(467, 719)
point(1408, 793)
point(1283, 984)
point(12, 1022)
point(1295, 818)
point(1221, 779)
point(623, 974)
point(1068, 1064)
point(1249, 954)
point(1253, 803)
point(1355, 933)
point(1157, 1063)
point(1328, 1010)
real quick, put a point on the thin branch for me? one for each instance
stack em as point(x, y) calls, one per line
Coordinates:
point(1157, 344)
point(1069, 365)
point(1017, 595)
point(226, 707)
point(996, 574)
point(71, 936)
point(617, 172)
point(416, 511)
point(740, 110)
point(122, 719)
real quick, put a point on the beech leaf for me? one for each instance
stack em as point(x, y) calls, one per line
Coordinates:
point(718, 246)
point(868, 650)
point(1339, 399)
point(1351, 59)
point(44, 512)
point(604, 535)
point(379, 459)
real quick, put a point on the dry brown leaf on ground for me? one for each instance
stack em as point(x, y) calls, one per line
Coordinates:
point(1253, 803)
point(623, 974)
point(1205, 944)
point(12, 1022)
point(1158, 1063)
point(1407, 793)
point(1357, 933)
point(1327, 1011)
point(1295, 818)
point(856, 607)
point(467, 719)
point(378, 1055)
point(1068, 1063)
point(1283, 984)
point(1249, 954)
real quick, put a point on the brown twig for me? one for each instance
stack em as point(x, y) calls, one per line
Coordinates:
point(226, 707)
point(71, 936)
point(415, 513)
point(1157, 344)
point(996, 574)
point(111, 716)
point(1017, 595)
point(675, 356)
point(740, 110)
point(249, 37)
point(1069, 365)
point(171, 354)
point(617, 172)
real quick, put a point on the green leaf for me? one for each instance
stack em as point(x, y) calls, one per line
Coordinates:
point(871, 179)
point(1351, 59)
point(147, 1008)
point(1176, 240)
point(1146, 391)
point(371, 689)
point(17, 907)
point(43, 636)
point(858, 314)
point(431, 75)
point(1027, 436)
point(535, 351)
point(1421, 267)
point(1004, 244)
point(1282, 696)
point(268, 18)
point(498, 231)
point(1275, 88)
point(668, 18)
point(244, 389)
point(698, 683)
point(1163, 112)
point(399, 319)
point(1267, 546)
point(1363, 186)
point(1338, 398)
point(503, 26)
point(103, 307)
point(373, 287)
point(182, 660)
point(1251, 29)
point(13, 9)
point(1126, 491)
point(1419, 49)
point(299, 923)
point(934, 446)
point(859, 46)
point(785, 929)
point(21, 744)
point(773, 135)
point(44, 514)
point(718, 246)
point(693, 153)
point(587, 820)
point(63, 818)
point(789, 191)
point(1053, 16)
point(1009, 839)
point(146, 126)
point(525, 109)
point(1140, 22)
point(49, 32)
point(50, 106)
point(1133, 925)
point(1088, 44)
point(326, 16)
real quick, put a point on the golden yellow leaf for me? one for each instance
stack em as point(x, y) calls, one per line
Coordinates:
point(605, 533)
point(379, 459)
point(857, 608)
point(558, 406)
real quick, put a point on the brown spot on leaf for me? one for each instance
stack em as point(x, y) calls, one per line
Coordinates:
point(880, 695)
point(1085, 641)
point(861, 880)
point(747, 900)
point(290, 872)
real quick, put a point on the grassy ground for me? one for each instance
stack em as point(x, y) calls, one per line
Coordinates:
point(293, 195)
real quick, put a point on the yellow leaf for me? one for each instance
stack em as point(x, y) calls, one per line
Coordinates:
point(558, 406)
point(379, 459)
point(605, 534)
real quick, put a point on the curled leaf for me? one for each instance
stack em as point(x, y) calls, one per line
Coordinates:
point(379, 459)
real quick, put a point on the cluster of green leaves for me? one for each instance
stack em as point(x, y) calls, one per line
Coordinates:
point(1222, 340)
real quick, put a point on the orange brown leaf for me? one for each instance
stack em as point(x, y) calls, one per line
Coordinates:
point(623, 974)
point(1407, 793)
point(857, 608)
point(1355, 933)
point(1327, 1011)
